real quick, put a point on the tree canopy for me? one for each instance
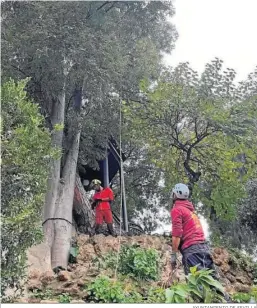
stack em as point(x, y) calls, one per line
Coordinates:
point(200, 130)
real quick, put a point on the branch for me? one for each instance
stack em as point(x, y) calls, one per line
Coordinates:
point(101, 6)
point(18, 69)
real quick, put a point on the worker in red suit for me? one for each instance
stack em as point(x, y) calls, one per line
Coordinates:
point(101, 203)
point(187, 233)
point(188, 236)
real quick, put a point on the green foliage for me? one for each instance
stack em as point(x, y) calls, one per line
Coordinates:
point(26, 150)
point(203, 286)
point(245, 297)
point(139, 262)
point(177, 294)
point(200, 287)
point(156, 295)
point(103, 290)
point(106, 290)
point(58, 127)
point(240, 260)
point(65, 298)
point(109, 260)
point(94, 51)
point(133, 261)
point(43, 295)
point(193, 124)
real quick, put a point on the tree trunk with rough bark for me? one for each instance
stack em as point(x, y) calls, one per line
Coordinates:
point(60, 193)
point(63, 208)
point(54, 176)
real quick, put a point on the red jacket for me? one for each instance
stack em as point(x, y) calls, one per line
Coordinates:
point(102, 194)
point(186, 224)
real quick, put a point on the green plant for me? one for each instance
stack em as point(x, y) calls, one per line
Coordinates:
point(37, 294)
point(104, 290)
point(64, 298)
point(241, 297)
point(46, 294)
point(200, 287)
point(245, 297)
point(203, 287)
point(139, 262)
point(133, 261)
point(156, 295)
point(133, 297)
point(177, 294)
point(26, 152)
point(238, 259)
point(109, 260)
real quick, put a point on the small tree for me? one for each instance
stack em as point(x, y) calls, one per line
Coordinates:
point(26, 150)
point(200, 130)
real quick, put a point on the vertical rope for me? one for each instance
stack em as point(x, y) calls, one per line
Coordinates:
point(121, 188)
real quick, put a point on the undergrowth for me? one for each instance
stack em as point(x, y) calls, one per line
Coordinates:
point(133, 261)
point(201, 287)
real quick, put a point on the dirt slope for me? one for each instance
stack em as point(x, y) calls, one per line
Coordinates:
point(40, 276)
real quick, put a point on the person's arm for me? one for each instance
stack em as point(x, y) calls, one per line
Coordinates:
point(95, 201)
point(177, 231)
point(110, 196)
point(175, 243)
point(96, 197)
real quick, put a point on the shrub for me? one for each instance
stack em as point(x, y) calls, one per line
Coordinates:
point(203, 287)
point(26, 152)
point(64, 298)
point(103, 290)
point(245, 297)
point(133, 261)
point(177, 294)
point(139, 262)
point(109, 260)
point(240, 260)
point(200, 287)
point(156, 295)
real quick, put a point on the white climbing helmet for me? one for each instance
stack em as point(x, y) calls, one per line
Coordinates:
point(96, 182)
point(181, 191)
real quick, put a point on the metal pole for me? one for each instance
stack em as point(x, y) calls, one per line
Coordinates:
point(123, 196)
point(106, 170)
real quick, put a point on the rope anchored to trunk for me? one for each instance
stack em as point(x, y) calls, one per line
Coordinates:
point(57, 218)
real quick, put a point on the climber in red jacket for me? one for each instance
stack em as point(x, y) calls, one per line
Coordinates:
point(188, 236)
point(101, 203)
point(187, 233)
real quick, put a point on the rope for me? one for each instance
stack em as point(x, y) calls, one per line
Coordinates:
point(121, 189)
point(57, 219)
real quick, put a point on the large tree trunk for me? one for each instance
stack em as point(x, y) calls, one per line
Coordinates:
point(57, 117)
point(63, 207)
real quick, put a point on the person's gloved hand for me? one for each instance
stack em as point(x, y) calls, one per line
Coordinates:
point(173, 259)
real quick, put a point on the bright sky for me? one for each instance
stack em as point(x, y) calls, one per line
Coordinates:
point(216, 28)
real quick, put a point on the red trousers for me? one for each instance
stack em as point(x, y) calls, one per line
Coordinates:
point(103, 216)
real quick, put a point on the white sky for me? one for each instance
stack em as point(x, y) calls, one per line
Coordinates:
point(216, 28)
